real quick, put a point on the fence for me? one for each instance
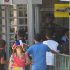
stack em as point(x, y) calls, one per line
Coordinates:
point(62, 62)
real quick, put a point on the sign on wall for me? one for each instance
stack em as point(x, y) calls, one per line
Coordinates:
point(62, 10)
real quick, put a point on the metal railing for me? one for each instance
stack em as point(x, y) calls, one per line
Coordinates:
point(62, 62)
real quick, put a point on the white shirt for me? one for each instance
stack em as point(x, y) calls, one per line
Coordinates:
point(50, 56)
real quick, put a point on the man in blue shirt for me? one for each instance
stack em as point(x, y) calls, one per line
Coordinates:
point(38, 53)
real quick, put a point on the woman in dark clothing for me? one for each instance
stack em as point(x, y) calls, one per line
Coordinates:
point(3, 65)
point(2, 53)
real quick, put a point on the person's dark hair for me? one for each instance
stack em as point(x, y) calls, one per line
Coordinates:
point(48, 34)
point(38, 37)
point(20, 47)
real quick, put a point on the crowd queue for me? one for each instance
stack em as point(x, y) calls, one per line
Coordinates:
point(40, 55)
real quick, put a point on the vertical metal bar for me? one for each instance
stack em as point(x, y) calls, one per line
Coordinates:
point(3, 23)
point(30, 22)
point(15, 17)
point(55, 59)
point(69, 41)
point(68, 63)
point(36, 19)
point(65, 63)
point(7, 24)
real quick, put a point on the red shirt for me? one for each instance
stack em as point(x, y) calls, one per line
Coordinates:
point(19, 62)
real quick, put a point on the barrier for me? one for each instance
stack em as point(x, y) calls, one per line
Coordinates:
point(62, 62)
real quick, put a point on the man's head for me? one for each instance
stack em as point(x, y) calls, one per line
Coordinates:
point(37, 38)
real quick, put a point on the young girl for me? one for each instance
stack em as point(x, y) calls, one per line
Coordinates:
point(21, 43)
point(18, 60)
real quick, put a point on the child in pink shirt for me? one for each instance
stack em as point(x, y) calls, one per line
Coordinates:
point(19, 59)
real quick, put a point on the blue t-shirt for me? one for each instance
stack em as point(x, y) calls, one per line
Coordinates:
point(38, 53)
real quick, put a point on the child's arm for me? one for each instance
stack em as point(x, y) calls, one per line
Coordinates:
point(27, 59)
point(11, 62)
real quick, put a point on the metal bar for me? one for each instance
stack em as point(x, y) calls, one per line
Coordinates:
point(36, 19)
point(7, 23)
point(62, 62)
point(30, 22)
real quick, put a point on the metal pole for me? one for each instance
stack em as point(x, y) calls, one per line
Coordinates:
point(7, 24)
point(30, 22)
point(3, 22)
point(36, 19)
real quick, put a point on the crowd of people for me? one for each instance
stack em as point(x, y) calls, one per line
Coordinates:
point(40, 55)
point(21, 57)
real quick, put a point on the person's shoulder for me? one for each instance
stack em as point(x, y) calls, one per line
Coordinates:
point(63, 37)
point(37, 44)
point(53, 41)
point(30, 47)
point(49, 41)
point(46, 41)
point(44, 44)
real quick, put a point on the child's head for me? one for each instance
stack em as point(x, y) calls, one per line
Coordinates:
point(19, 49)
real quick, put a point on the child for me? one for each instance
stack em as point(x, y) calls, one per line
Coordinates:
point(18, 60)
point(19, 42)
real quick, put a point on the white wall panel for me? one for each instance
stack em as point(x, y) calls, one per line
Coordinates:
point(20, 2)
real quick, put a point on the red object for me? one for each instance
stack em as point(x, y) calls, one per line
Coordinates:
point(19, 62)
